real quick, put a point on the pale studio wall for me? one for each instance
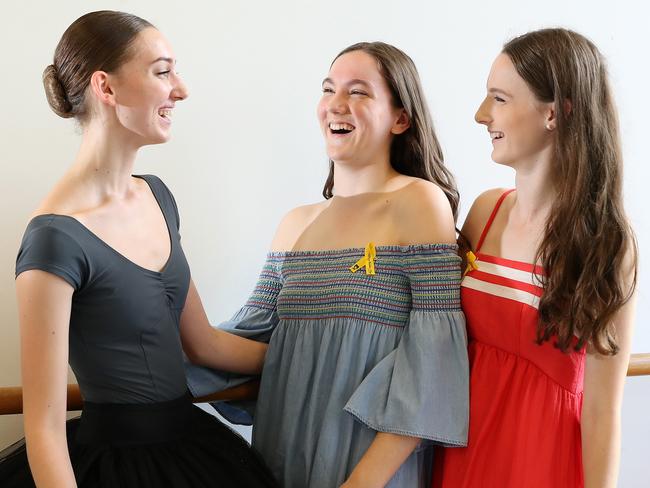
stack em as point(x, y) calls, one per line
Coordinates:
point(246, 145)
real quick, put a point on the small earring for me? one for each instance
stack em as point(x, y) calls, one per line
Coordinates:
point(548, 127)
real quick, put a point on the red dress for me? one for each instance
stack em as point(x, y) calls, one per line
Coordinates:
point(525, 398)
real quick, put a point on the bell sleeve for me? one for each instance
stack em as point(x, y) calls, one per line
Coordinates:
point(421, 388)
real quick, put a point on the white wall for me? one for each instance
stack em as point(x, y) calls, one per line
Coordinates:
point(246, 144)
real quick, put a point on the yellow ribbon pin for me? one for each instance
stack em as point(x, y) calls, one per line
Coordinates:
point(471, 262)
point(368, 260)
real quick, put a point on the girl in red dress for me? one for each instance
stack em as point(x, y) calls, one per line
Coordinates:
point(549, 291)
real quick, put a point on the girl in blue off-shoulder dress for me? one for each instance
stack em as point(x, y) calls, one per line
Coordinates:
point(366, 368)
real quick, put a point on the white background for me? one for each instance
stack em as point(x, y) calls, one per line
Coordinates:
point(246, 145)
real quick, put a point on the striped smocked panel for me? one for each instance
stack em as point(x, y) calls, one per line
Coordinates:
point(268, 285)
point(313, 285)
point(505, 278)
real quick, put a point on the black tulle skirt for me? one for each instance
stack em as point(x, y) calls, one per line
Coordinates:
point(172, 444)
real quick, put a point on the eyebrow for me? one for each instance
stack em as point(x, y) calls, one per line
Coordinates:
point(168, 60)
point(499, 91)
point(355, 81)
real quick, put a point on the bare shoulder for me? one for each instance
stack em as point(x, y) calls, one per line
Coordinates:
point(423, 214)
point(293, 224)
point(479, 214)
point(61, 199)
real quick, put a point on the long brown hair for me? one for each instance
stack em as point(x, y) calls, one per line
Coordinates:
point(415, 152)
point(587, 235)
point(96, 41)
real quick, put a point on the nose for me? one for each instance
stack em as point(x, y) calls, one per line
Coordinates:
point(482, 115)
point(179, 92)
point(337, 103)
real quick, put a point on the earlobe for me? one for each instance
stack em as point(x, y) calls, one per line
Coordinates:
point(402, 123)
point(101, 87)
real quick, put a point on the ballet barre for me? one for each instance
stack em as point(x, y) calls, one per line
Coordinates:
point(11, 397)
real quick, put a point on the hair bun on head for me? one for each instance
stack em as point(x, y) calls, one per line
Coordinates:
point(55, 93)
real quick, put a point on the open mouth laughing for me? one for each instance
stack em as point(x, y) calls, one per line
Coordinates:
point(495, 135)
point(340, 128)
point(165, 113)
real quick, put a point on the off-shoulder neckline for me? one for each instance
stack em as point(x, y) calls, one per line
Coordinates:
point(442, 246)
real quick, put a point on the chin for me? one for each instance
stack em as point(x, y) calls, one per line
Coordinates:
point(339, 155)
point(503, 160)
point(161, 138)
point(339, 159)
point(333, 156)
point(153, 141)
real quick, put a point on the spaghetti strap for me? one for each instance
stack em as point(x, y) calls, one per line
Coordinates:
point(488, 224)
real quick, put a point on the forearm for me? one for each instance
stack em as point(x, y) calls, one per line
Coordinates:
point(601, 434)
point(382, 460)
point(229, 352)
point(49, 460)
point(216, 348)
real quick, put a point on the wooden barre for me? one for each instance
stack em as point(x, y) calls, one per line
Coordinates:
point(11, 397)
point(639, 364)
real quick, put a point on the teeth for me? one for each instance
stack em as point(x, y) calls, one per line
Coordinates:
point(342, 126)
point(165, 112)
point(496, 135)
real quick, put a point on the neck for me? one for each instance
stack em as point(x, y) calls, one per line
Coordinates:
point(105, 160)
point(536, 191)
point(355, 179)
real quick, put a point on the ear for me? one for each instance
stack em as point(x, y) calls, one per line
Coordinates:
point(550, 119)
point(100, 84)
point(551, 116)
point(402, 123)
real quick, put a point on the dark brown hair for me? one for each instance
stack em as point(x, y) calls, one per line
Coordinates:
point(96, 41)
point(587, 235)
point(415, 152)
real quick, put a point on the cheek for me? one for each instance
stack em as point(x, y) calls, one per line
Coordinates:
point(132, 93)
point(381, 121)
point(137, 119)
point(527, 137)
point(321, 109)
point(532, 124)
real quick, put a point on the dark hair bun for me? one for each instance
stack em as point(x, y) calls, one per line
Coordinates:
point(55, 93)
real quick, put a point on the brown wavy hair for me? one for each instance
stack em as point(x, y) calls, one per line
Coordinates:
point(415, 152)
point(587, 236)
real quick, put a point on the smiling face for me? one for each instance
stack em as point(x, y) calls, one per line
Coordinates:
point(357, 113)
point(521, 127)
point(146, 88)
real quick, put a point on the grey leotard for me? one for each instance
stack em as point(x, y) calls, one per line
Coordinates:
point(124, 326)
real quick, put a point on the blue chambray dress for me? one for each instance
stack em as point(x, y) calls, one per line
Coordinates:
point(353, 354)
